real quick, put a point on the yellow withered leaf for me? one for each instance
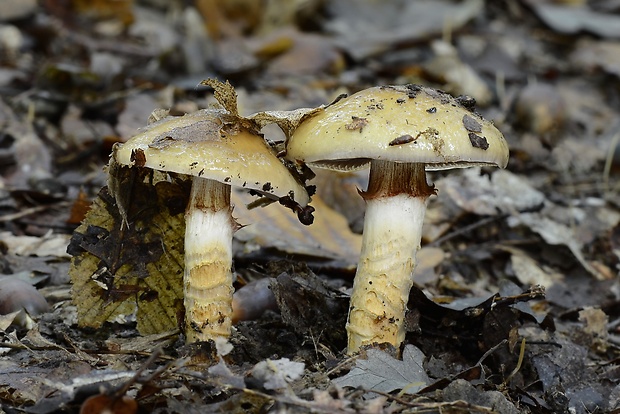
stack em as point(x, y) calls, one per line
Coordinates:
point(135, 267)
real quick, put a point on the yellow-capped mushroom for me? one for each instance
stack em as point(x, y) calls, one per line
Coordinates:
point(399, 131)
point(218, 151)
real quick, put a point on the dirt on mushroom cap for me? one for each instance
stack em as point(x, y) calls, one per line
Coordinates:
point(436, 127)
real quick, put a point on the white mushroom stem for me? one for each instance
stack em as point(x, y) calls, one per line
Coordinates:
point(395, 207)
point(208, 275)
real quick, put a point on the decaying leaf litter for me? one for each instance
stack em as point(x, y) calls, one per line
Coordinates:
point(517, 292)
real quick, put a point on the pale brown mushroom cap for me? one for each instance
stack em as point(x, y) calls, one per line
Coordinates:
point(401, 124)
point(204, 144)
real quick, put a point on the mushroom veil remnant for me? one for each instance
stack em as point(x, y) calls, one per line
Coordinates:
point(217, 149)
point(399, 131)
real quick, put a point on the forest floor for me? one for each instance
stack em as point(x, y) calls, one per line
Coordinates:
point(516, 303)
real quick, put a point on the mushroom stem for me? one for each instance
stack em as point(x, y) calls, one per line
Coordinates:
point(208, 275)
point(395, 207)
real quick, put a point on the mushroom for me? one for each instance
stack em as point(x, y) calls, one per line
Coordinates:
point(400, 131)
point(217, 149)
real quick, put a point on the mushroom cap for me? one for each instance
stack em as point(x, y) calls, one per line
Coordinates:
point(212, 144)
point(402, 124)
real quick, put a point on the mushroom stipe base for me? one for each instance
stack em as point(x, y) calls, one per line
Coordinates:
point(208, 278)
point(391, 238)
point(395, 208)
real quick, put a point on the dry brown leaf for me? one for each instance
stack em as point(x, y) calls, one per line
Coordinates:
point(225, 94)
point(572, 20)
point(427, 259)
point(48, 245)
point(286, 120)
point(365, 28)
point(591, 55)
point(329, 237)
point(8, 319)
point(309, 54)
point(555, 233)
point(528, 271)
point(502, 192)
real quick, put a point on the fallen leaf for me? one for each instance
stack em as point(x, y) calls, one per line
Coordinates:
point(382, 372)
point(309, 54)
point(573, 19)
point(22, 385)
point(137, 109)
point(48, 245)
point(118, 271)
point(564, 368)
point(7, 320)
point(286, 120)
point(328, 239)
point(310, 306)
point(146, 343)
point(502, 192)
point(225, 94)
point(592, 54)
point(367, 28)
point(555, 233)
point(528, 270)
point(66, 389)
point(461, 390)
